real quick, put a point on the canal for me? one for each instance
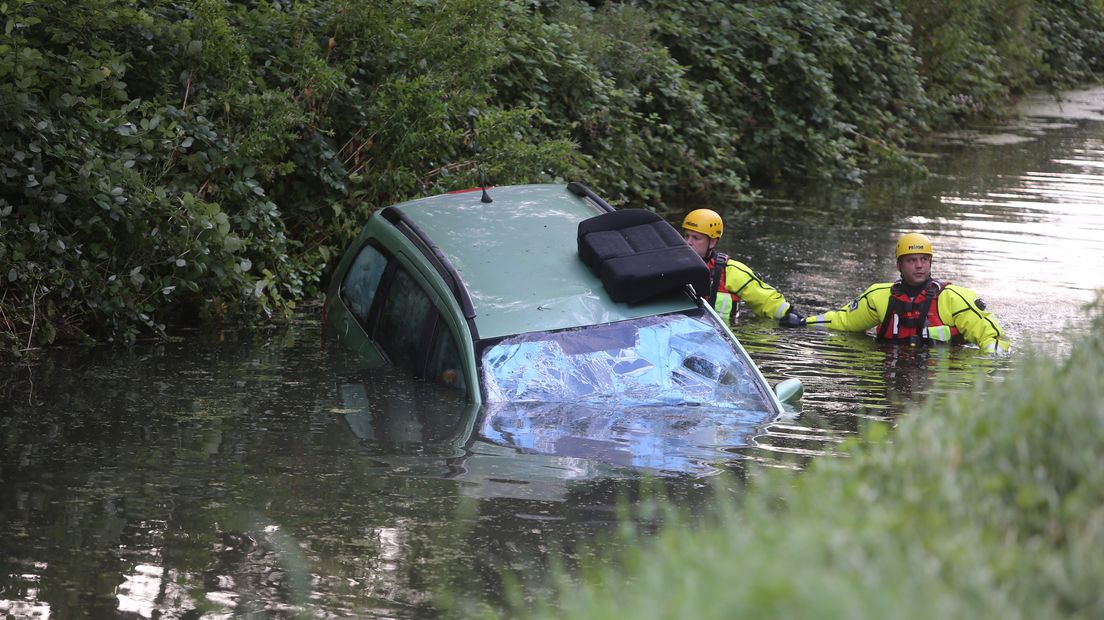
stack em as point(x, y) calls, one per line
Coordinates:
point(230, 473)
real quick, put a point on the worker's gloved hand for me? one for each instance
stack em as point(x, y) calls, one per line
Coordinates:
point(998, 346)
point(792, 318)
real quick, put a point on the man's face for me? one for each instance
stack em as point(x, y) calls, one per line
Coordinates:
point(699, 242)
point(915, 268)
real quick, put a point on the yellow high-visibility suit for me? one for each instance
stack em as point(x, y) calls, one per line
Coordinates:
point(738, 282)
point(957, 314)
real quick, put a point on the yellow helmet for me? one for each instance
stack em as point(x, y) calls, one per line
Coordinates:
point(913, 243)
point(704, 221)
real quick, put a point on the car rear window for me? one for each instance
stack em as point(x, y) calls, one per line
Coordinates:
point(671, 359)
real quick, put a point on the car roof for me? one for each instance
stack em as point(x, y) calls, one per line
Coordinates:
point(518, 258)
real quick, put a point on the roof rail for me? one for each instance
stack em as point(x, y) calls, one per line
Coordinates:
point(582, 190)
point(435, 256)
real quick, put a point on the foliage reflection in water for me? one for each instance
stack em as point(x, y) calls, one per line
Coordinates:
point(233, 475)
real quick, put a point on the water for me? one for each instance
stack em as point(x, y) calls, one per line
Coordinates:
point(225, 474)
point(1016, 213)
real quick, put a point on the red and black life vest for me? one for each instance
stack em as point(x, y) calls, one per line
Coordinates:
point(724, 302)
point(717, 264)
point(907, 317)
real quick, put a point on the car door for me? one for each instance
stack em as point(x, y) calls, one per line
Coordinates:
point(402, 325)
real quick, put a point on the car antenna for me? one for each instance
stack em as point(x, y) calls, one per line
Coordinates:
point(473, 144)
point(483, 186)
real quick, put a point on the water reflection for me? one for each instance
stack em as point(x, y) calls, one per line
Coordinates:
point(681, 439)
point(525, 449)
point(851, 379)
point(394, 416)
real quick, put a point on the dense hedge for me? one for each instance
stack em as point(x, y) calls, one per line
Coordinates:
point(164, 160)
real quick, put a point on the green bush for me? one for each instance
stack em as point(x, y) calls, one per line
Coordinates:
point(601, 80)
point(976, 54)
point(97, 222)
point(820, 88)
point(959, 44)
point(166, 161)
point(984, 503)
point(170, 161)
point(1071, 38)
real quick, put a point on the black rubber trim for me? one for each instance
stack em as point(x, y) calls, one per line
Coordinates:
point(582, 190)
point(439, 261)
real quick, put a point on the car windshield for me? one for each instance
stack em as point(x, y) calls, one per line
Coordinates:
point(674, 359)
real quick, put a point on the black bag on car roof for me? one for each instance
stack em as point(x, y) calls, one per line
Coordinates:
point(638, 255)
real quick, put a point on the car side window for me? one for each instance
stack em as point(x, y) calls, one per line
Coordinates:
point(443, 361)
point(362, 281)
point(408, 327)
point(403, 320)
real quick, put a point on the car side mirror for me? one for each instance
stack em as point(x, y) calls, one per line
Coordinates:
point(789, 391)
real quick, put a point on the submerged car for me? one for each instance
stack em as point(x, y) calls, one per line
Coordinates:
point(541, 294)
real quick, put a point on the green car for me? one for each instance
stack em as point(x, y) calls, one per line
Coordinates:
point(503, 295)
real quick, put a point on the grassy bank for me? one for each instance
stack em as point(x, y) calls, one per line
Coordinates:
point(983, 504)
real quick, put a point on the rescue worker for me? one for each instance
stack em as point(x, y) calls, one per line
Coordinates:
point(917, 309)
point(730, 280)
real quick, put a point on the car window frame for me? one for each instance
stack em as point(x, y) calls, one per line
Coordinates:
point(432, 324)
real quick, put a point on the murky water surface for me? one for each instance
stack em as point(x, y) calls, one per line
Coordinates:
point(228, 475)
